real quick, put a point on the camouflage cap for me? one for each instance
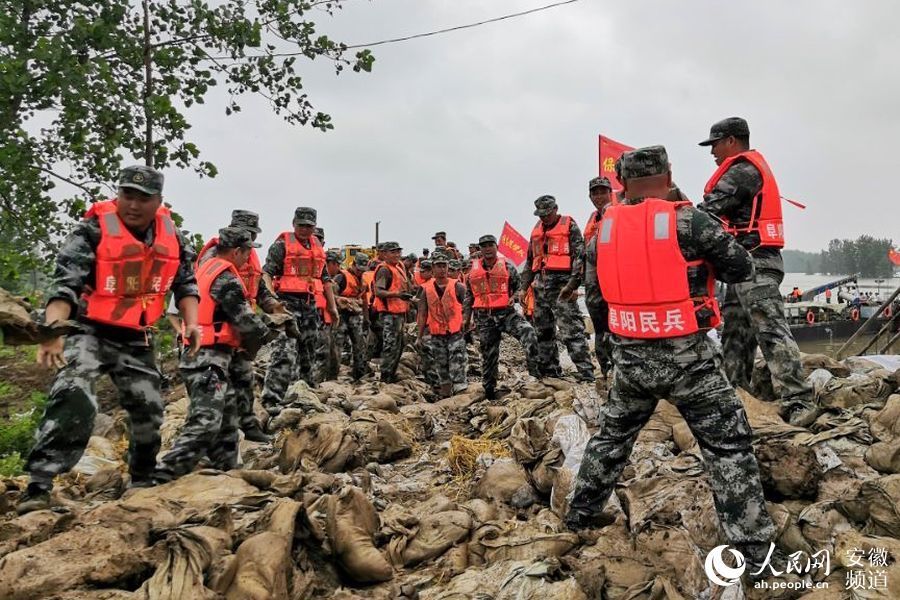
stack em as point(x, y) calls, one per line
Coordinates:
point(319, 233)
point(544, 205)
point(361, 260)
point(425, 264)
point(645, 162)
point(143, 178)
point(455, 264)
point(735, 126)
point(236, 237)
point(390, 246)
point(411, 256)
point(442, 234)
point(599, 182)
point(487, 240)
point(304, 215)
point(380, 247)
point(246, 219)
point(440, 258)
point(332, 256)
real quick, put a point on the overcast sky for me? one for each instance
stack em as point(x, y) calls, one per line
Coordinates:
point(463, 131)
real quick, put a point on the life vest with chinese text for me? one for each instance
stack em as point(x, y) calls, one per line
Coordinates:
point(490, 287)
point(644, 276)
point(302, 273)
point(550, 248)
point(765, 212)
point(131, 279)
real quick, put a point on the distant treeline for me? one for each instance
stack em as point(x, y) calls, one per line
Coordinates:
point(866, 255)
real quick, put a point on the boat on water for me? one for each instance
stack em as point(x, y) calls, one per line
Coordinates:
point(820, 321)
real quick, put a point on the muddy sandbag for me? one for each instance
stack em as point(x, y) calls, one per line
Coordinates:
point(435, 534)
point(323, 439)
point(100, 454)
point(345, 522)
point(380, 440)
point(788, 468)
point(202, 491)
point(544, 473)
point(263, 561)
point(502, 481)
point(300, 395)
point(882, 496)
point(380, 401)
point(854, 390)
point(18, 328)
point(885, 424)
point(884, 456)
point(819, 522)
point(676, 556)
point(788, 534)
point(528, 440)
point(537, 581)
point(811, 362)
point(494, 542)
point(860, 364)
point(190, 551)
point(97, 553)
point(671, 500)
point(32, 528)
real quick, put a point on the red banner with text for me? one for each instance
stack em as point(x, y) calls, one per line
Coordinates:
point(513, 245)
point(610, 151)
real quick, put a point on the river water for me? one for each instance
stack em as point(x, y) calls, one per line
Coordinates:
point(882, 287)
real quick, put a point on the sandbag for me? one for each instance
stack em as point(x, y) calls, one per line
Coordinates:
point(536, 581)
point(811, 362)
point(435, 534)
point(883, 499)
point(854, 390)
point(528, 440)
point(322, 439)
point(189, 553)
point(885, 456)
point(380, 441)
point(525, 540)
point(788, 468)
point(202, 491)
point(264, 560)
point(885, 424)
point(544, 473)
point(503, 480)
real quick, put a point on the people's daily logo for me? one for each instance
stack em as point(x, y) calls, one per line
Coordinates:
point(720, 573)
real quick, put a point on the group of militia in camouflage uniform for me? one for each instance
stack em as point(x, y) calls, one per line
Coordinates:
point(654, 345)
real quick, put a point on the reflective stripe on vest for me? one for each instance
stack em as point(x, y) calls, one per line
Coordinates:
point(590, 228)
point(445, 313)
point(211, 332)
point(556, 241)
point(765, 212)
point(399, 283)
point(644, 276)
point(131, 279)
point(302, 267)
point(490, 288)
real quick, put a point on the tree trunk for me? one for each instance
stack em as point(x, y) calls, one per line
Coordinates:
point(148, 87)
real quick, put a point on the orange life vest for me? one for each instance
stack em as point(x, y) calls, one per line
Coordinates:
point(322, 306)
point(445, 313)
point(590, 229)
point(368, 280)
point(399, 283)
point(302, 273)
point(556, 240)
point(528, 306)
point(211, 332)
point(765, 212)
point(489, 287)
point(353, 286)
point(250, 273)
point(644, 276)
point(131, 278)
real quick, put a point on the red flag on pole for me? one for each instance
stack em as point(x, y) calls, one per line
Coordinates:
point(894, 256)
point(513, 244)
point(610, 151)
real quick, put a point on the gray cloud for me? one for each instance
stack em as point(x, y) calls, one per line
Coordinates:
point(462, 131)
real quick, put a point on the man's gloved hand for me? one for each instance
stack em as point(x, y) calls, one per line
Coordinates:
point(567, 294)
point(407, 296)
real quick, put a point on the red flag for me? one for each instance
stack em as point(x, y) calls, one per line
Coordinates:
point(513, 245)
point(610, 151)
point(894, 256)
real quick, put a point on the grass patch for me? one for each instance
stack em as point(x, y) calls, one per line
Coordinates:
point(17, 435)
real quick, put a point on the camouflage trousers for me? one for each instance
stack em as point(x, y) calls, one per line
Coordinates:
point(376, 340)
point(550, 314)
point(598, 310)
point(753, 314)
point(686, 371)
point(352, 328)
point(328, 353)
point(393, 342)
point(243, 382)
point(211, 427)
point(491, 326)
point(426, 360)
point(292, 359)
point(68, 418)
point(449, 361)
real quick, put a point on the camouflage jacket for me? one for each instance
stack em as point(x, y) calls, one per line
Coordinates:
point(275, 268)
point(264, 297)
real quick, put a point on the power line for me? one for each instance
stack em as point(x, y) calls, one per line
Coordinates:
point(425, 34)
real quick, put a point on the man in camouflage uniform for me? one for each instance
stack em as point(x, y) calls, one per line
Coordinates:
point(753, 311)
point(328, 360)
point(125, 353)
point(294, 359)
point(555, 295)
point(685, 369)
point(351, 306)
point(391, 292)
point(211, 427)
point(446, 350)
point(241, 373)
point(600, 193)
point(492, 323)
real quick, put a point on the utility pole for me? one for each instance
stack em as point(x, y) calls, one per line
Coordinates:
point(377, 223)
